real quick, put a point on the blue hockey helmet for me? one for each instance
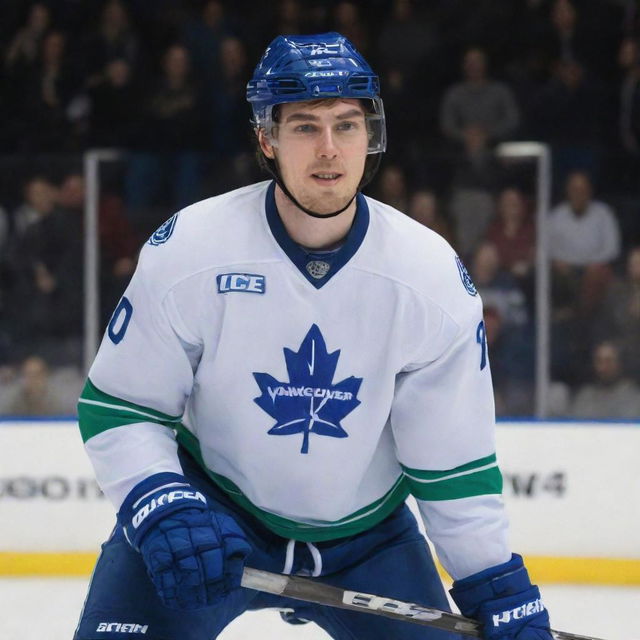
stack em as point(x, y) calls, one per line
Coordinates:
point(314, 67)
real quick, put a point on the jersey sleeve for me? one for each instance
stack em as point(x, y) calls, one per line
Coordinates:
point(139, 383)
point(443, 421)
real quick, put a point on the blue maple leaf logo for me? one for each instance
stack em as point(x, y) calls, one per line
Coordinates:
point(309, 402)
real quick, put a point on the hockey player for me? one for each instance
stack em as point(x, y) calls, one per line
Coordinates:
point(288, 363)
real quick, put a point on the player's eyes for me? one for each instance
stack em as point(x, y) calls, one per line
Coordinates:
point(305, 128)
point(348, 125)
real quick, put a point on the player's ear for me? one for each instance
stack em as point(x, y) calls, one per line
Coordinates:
point(265, 146)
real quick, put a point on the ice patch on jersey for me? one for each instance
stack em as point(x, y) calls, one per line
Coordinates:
point(309, 402)
point(244, 282)
point(164, 231)
point(466, 278)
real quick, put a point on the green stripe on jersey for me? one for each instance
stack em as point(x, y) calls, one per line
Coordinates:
point(352, 524)
point(98, 412)
point(480, 477)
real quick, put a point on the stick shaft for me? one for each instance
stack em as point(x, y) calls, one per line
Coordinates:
point(324, 594)
point(319, 593)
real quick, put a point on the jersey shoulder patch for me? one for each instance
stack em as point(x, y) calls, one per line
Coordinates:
point(163, 232)
point(466, 278)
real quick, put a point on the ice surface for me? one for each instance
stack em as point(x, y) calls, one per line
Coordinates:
point(48, 609)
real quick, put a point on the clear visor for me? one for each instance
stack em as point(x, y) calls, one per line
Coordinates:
point(374, 119)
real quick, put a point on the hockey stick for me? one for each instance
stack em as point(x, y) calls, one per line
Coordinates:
point(319, 593)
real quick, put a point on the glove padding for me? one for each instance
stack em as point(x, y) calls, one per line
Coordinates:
point(194, 556)
point(505, 603)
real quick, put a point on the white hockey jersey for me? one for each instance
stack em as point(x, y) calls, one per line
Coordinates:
point(317, 390)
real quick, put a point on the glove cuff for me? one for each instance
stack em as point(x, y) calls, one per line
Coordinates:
point(500, 581)
point(504, 616)
point(154, 498)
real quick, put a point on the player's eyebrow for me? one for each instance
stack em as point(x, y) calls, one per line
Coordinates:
point(352, 113)
point(294, 117)
point(302, 116)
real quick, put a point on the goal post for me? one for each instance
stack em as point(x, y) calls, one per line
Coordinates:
point(91, 164)
point(540, 154)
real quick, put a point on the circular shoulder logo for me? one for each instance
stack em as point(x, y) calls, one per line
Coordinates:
point(466, 278)
point(164, 231)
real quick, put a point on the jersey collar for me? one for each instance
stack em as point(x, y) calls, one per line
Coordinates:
point(301, 258)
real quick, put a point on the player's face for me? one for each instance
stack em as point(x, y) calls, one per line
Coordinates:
point(321, 151)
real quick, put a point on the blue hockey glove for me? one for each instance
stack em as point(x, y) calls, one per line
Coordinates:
point(194, 556)
point(505, 603)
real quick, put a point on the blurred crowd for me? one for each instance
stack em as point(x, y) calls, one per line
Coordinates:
point(165, 81)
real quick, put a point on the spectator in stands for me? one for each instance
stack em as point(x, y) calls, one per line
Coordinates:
point(407, 45)
point(567, 113)
point(40, 196)
point(119, 247)
point(566, 37)
point(115, 107)
point(498, 288)
point(629, 115)
point(623, 161)
point(620, 317)
point(174, 106)
point(62, 253)
point(114, 39)
point(289, 17)
point(405, 39)
point(585, 32)
point(513, 233)
point(231, 134)
point(584, 241)
point(348, 22)
point(202, 38)
point(173, 135)
point(39, 201)
point(49, 90)
point(478, 101)
point(33, 394)
point(118, 244)
point(424, 208)
point(71, 195)
point(511, 353)
point(47, 262)
point(611, 394)
point(24, 49)
point(471, 201)
point(407, 127)
point(392, 187)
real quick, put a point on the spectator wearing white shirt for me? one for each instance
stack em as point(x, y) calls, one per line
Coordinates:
point(584, 240)
point(583, 231)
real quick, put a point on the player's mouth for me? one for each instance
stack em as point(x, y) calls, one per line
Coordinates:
point(326, 178)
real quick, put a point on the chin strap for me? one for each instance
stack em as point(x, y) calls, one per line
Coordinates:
point(271, 165)
point(313, 214)
point(275, 173)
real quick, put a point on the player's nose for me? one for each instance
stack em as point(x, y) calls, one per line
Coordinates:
point(326, 144)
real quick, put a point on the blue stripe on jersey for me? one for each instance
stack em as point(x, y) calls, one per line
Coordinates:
point(300, 257)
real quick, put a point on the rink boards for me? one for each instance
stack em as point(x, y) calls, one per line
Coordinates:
point(572, 491)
